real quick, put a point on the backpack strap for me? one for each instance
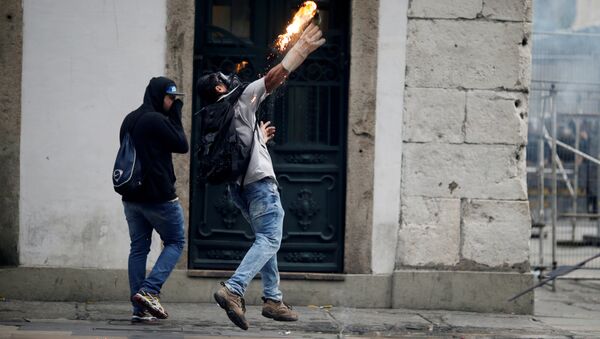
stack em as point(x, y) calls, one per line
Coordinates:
point(237, 93)
point(251, 151)
point(134, 123)
point(232, 99)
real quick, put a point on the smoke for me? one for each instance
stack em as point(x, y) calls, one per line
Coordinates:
point(553, 15)
point(566, 58)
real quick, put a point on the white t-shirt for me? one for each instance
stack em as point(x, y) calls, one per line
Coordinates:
point(260, 165)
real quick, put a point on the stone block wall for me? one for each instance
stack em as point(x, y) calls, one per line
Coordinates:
point(179, 66)
point(464, 195)
point(11, 52)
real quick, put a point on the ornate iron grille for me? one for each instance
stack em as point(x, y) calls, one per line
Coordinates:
point(309, 150)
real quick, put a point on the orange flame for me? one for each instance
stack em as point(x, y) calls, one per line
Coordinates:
point(301, 18)
point(240, 66)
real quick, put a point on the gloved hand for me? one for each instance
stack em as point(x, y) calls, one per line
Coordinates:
point(309, 41)
point(175, 110)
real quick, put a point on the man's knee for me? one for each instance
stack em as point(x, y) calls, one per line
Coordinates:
point(271, 242)
point(140, 248)
point(176, 242)
point(180, 244)
point(280, 212)
point(140, 245)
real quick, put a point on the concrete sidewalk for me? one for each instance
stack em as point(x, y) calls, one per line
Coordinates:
point(572, 311)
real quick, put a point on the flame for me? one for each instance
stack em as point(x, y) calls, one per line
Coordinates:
point(301, 18)
point(240, 66)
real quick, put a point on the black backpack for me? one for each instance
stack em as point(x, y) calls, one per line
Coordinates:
point(127, 172)
point(221, 153)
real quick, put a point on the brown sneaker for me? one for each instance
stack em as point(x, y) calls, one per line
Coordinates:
point(233, 304)
point(278, 310)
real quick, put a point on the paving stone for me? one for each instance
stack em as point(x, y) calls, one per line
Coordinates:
point(381, 321)
point(190, 320)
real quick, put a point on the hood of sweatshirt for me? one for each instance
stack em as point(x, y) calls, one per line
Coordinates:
point(155, 94)
point(153, 102)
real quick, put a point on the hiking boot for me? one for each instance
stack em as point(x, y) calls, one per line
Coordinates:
point(278, 310)
point(151, 303)
point(234, 306)
point(143, 318)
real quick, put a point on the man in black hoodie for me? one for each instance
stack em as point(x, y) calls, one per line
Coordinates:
point(157, 132)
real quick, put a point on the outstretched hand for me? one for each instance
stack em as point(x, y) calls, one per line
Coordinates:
point(268, 131)
point(309, 41)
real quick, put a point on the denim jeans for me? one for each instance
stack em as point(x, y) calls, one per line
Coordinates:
point(167, 219)
point(260, 204)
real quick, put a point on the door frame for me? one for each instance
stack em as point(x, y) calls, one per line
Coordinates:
point(358, 226)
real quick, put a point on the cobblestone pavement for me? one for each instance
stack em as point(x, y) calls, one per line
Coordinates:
point(573, 311)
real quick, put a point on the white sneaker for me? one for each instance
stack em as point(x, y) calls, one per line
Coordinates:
point(143, 317)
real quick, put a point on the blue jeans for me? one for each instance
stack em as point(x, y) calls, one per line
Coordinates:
point(167, 219)
point(260, 204)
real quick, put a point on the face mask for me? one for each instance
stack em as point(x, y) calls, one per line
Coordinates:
point(231, 81)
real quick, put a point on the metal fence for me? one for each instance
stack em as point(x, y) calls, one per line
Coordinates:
point(563, 169)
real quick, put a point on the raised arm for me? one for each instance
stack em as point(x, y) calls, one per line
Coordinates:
point(170, 131)
point(275, 77)
point(309, 41)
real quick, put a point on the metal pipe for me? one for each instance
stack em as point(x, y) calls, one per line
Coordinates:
point(591, 35)
point(561, 82)
point(542, 216)
point(597, 229)
point(562, 170)
point(580, 215)
point(596, 179)
point(579, 278)
point(575, 180)
point(554, 175)
point(576, 151)
point(541, 161)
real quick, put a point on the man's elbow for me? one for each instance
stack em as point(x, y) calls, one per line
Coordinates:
point(275, 78)
point(185, 149)
point(182, 147)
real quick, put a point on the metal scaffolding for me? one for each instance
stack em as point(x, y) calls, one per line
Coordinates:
point(564, 149)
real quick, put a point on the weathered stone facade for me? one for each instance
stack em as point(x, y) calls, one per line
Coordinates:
point(457, 234)
point(464, 197)
point(361, 137)
point(180, 67)
point(11, 47)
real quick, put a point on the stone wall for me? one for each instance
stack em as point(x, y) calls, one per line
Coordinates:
point(179, 66)
point(11, 51)
point(361, 137)
point(464, 195)
point(391, 57)
point(86, 65)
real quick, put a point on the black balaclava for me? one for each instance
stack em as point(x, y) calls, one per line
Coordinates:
point(155, 94)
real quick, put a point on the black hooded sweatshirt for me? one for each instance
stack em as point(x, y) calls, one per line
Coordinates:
point(156, 135)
